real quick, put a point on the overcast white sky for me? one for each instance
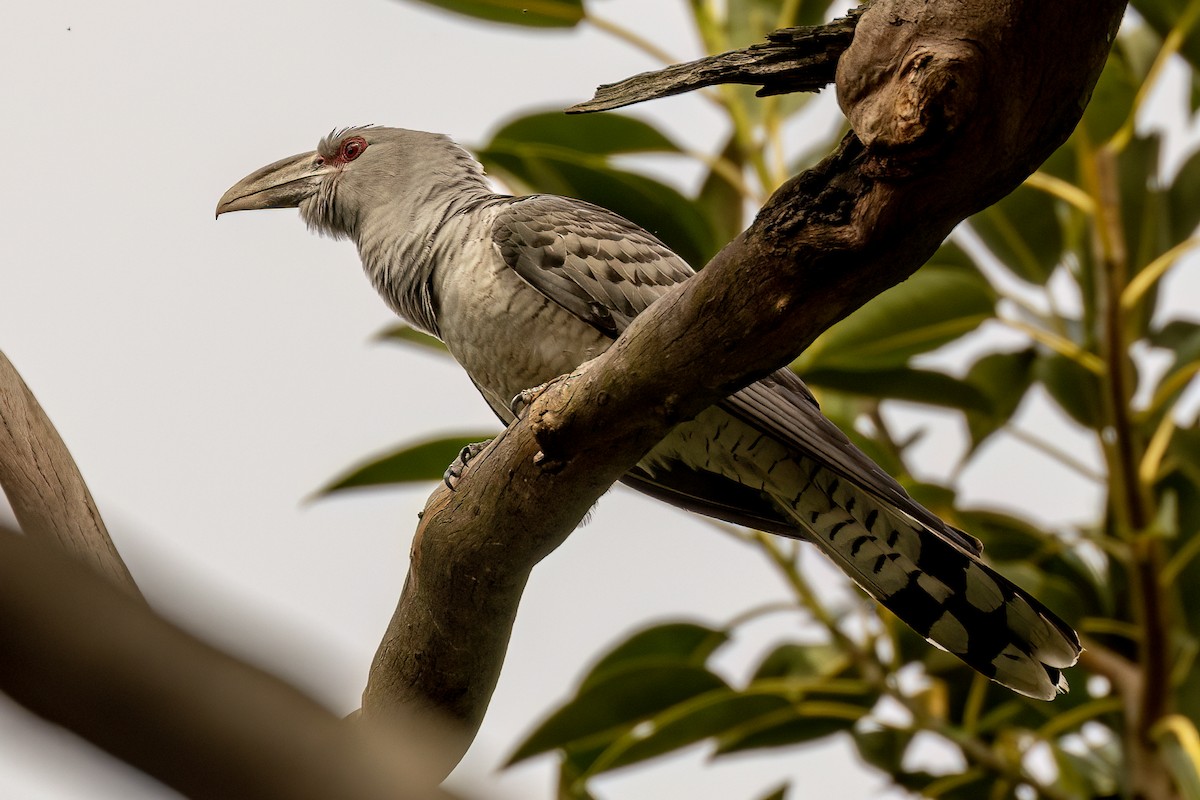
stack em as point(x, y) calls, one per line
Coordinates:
point(208, 377)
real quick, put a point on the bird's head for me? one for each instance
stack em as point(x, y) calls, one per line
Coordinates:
point(351, 172)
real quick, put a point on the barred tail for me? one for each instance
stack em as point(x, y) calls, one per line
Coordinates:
point(939, 589)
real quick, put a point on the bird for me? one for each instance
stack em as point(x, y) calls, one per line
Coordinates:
point(522, 289)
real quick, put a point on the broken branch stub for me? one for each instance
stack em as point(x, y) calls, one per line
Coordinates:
point(799, 59)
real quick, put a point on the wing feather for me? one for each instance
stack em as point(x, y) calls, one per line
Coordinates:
point(580, 255)
point(606, 270)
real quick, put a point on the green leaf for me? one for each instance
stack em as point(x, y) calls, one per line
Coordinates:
point(778, 794)
point(1183, 199)
point(1023, 232)
point(950, 254)
point(1143, 206)
point(594, 134)
point(425, 461)
point(747, 22)
point(883, 748)
point(554, 153)
point(936, 306)
point(805, 721)
point(1145, 217)
point(1182, 338)
point(1076, 389)
point(721, 200)
point(1004, 537)
point(973, 784)
point(655, 206)
point(1003, 379)
point(1179, 335)
point(692, 721)
point(1086, 774)
point(937, 498)
point(406, 334)
point(1182, 483)
point(684, 643)
point(1180, 746)
point(530, 13)
point(904, 383)
point(1161, 16)
point(824, 698)
point(574, 764)
point(611, 707)
point(802, 661)
point(1112, 99)
point(1184, 455)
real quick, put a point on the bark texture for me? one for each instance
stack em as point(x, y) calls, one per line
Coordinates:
point(800, 59)
point(44, 487)
point(952, 104)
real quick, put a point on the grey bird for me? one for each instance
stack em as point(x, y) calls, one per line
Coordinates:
point(524, 289)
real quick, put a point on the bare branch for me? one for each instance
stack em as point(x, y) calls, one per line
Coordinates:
point(47, 493)
point(469, 563)
point(81, 654)
point(952, 103)
point(800, 59)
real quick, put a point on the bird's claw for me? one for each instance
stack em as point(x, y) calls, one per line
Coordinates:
point(524, 399)
point(457, 467)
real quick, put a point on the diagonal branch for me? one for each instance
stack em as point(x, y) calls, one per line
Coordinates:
point(44, 486)
point(952, 103)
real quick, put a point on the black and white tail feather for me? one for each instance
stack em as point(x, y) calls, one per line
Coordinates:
point(926, 572)
point(942, 591)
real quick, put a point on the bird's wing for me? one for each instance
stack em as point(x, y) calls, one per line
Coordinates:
point(607, 270)
point(781, 406)
point(597, 265)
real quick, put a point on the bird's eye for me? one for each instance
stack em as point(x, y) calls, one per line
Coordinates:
point(352, 148)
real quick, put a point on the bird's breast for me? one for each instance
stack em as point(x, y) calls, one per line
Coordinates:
point(507, 335)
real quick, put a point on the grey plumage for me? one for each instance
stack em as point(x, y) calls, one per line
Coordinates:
point(524, 289)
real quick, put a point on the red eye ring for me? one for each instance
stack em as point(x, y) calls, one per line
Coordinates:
point(352, 148)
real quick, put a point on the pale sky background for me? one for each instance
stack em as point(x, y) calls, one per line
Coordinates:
point(208, 377)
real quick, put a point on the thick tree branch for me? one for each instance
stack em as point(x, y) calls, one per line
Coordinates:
point(44, 486)
point(953, 103)
point(79, 653)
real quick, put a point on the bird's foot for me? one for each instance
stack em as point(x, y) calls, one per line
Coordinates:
point(456, 469)
point(524, 398)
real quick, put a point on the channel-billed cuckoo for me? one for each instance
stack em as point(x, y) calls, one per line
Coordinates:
point(523, 289)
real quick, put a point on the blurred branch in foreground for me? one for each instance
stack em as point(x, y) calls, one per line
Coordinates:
point(79, 653)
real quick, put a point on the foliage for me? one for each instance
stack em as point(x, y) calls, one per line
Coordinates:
point(1073, 261)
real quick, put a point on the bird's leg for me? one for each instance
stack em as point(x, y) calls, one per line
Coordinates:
point(524, 398)
point(457, 467)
